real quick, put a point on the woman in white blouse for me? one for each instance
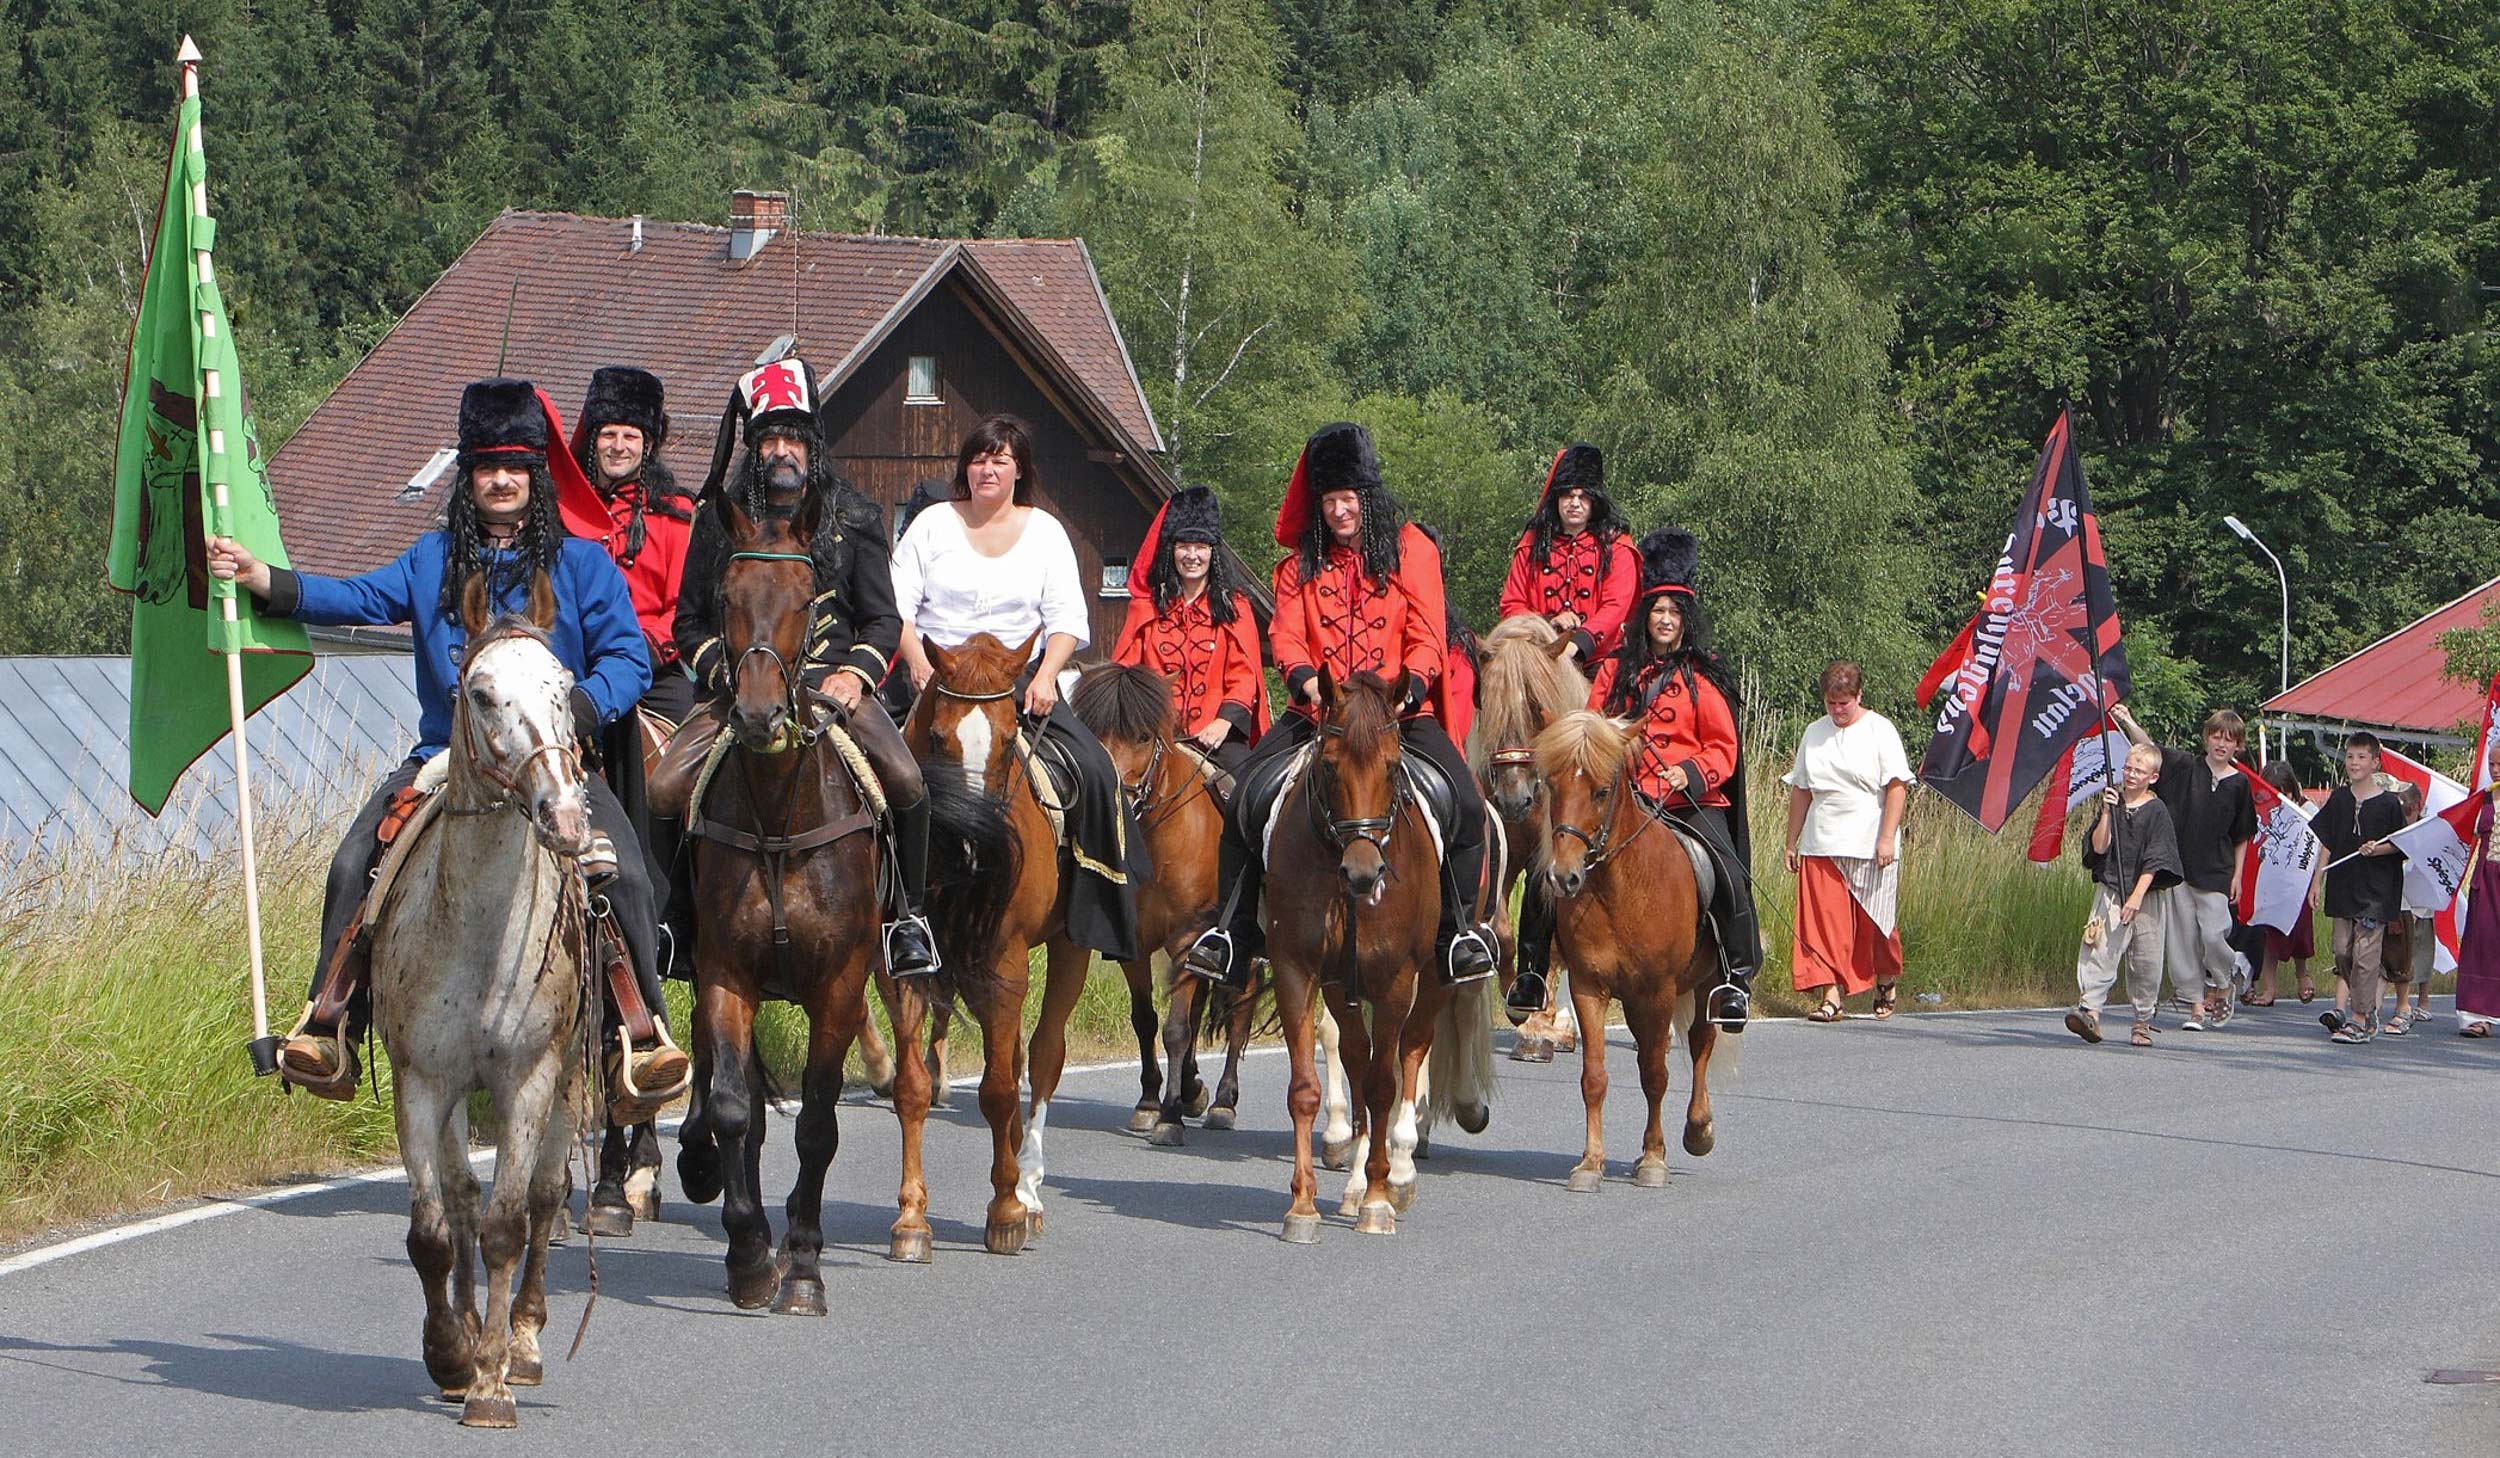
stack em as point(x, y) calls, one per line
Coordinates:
point(1845, 798)
point(990, 561)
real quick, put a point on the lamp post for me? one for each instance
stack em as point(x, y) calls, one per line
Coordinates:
point(2284, 664)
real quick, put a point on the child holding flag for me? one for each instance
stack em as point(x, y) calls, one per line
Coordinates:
point(2215, 818)
point(2365, 891)
point(2132, 852)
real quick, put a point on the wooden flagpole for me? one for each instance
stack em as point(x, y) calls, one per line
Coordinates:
point(264, 1048)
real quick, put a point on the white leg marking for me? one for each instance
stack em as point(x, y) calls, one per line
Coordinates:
point(1402, 1136)
point(1029, 1159)
point(1340, 1110)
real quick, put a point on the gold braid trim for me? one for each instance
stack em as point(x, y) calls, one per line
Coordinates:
point(703, 777)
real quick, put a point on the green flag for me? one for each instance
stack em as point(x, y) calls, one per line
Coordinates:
point(186, 433)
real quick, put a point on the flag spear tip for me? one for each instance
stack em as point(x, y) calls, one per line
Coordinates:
point(189, 55)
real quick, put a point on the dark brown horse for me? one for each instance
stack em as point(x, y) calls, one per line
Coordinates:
point(1353, 900)
point(786, 874)
point(966, 724)
point(1628, 918)
point(1526, 685)
point(1130, 710)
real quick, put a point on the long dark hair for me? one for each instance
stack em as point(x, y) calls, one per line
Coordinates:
point(1383, 523)
point(465, 552)
point(1163, 579)
point(1605, 524)
point(1693, 657)
point(997, 433)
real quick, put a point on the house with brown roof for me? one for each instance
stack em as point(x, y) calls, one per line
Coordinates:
point(913, 341)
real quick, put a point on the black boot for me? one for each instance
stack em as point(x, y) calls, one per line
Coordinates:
point(669, 853)
point(1468, 949)
point(910, 947)
point(1224, 952)
point(1535, 955)
point(1734, 927)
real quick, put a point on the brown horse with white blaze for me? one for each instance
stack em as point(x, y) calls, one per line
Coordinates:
point(1629, 918)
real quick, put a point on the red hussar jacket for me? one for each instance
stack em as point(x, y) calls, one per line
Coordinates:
point(1214, 671)
point(652, 579)
point(1454, 697)
point(1693, 729)
point(1584, 575)
point(1352, 624)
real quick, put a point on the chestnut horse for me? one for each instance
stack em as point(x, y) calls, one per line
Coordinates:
point(786, 869)
point(967, 721)
point(479, 974)
point(1130, 711)
point(1353, 900)
point(1527, 684)
point(1629, 917)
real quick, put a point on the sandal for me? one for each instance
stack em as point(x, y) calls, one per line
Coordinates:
point(2142, 1037)
point(2475, 1030)
point(2308, 990)
point(1887, 997)
point(1829, 1012)
point(2265, 1001)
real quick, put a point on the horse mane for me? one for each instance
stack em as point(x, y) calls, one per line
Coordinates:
point(1124, 703)
point(985, 664)
point(1364, 710)
point(1584, 741)
point(1524, 684)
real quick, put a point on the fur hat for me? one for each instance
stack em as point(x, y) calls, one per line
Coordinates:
point(624, 395)
point(1337, 457)
point(1577, 467)
point(1670, 559)
point(1191, 515)
point(514, 419)
point(778, 396)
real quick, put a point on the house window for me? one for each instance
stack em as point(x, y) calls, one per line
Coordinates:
point(921, 387)
point(1114, 577)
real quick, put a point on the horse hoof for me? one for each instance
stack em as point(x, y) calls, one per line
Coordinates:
point(698, 1171)
point(1402, 1197)
point(1351, 1205)
point(1532, 1050)
point(1378, 1218)
point(1475, 1118)
point(1302, 1230)
point(754, 1290)
point(1220, 1117)
point(524, 1372)
point(1585, 1182)
point(1166, 1136)
point(1142, 1121)
point(610, 1222)
point(1650, 1174)
point(801, 1296)
point(1336, 1154)
point(911, 1247)
point(1198, 1102)
point(489, 1412)
point(1700, 1139)
point(1007, 1237)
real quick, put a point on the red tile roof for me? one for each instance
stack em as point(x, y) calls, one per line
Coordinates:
point(2400, 681)
point(677, 306)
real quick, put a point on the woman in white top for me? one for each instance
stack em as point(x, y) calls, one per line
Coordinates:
point(990, 561)
point(1845, 799)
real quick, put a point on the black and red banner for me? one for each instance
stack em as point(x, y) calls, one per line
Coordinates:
point(2045, 660)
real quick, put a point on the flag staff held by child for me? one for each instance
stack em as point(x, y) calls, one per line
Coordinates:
point(188, 467)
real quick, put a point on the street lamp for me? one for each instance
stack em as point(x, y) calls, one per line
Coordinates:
point(2284, 665)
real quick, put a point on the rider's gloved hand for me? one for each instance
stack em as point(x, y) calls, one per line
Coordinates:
point(586, 724)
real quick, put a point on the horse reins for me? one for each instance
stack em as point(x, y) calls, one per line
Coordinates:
point(1344, 832)
point(1601, 847)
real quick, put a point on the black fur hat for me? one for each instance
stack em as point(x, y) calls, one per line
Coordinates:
point(1192, 517)
point(1340, 457)
point(624, 395)
point(501, 417)
point(1670, 559)
point(1580, 467)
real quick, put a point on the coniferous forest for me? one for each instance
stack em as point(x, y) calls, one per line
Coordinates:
point(1816, 275)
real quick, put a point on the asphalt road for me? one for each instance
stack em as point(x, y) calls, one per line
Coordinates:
point(1945, 1234)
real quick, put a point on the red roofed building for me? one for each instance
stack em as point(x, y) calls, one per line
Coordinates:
point(913, 340)
point(2398, 687)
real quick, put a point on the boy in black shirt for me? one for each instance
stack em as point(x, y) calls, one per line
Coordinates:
point(2215, 817)
point(2131, 853)
point(2364, 893)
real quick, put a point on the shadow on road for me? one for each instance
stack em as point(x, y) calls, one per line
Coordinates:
point(307, 1379)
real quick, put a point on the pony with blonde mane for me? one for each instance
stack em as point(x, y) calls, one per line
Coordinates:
point(1629, 917)
point(1527, 683)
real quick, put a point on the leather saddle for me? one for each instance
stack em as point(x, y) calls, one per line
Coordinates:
point(1256, 798)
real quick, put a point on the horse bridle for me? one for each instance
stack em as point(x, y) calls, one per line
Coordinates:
point(1344, 833)
point(1601, 847)
point(481, 754)
point(801, 731)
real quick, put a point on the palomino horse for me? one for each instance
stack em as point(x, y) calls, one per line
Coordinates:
point(786, 876)
point(1527, 684)
point(1628, 915)
point(966, 721)
point(1130, 711)
point(479, 967)
point(1352, 903)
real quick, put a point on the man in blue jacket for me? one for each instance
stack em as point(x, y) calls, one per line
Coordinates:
point(507, 518)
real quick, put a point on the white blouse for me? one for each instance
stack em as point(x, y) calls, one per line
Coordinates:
point(1848, 771)
point(948, 590)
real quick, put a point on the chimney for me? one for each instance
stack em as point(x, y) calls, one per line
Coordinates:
point(636, 245)
point(754, 217)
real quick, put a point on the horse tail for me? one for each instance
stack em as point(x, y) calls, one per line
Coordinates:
point(974, 861)
point(1215, 1013)
point(1727, 1050)
point(1462, 1064)
point(763, 1071)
